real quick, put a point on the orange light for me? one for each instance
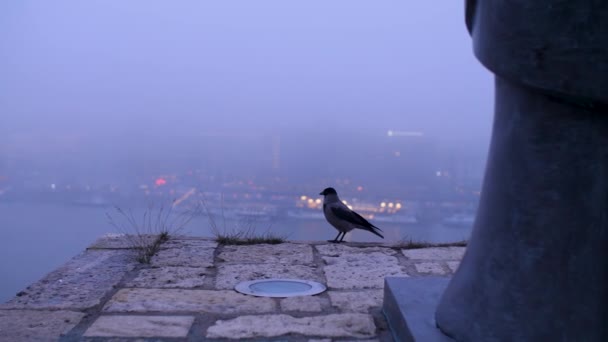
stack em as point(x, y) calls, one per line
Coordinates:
point(160, 182)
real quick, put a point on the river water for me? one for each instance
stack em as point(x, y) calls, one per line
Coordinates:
point(37, 238)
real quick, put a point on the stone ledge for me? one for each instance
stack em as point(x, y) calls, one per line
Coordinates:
point(409, 307)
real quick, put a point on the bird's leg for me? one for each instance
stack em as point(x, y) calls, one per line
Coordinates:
point(336, 239)
point(343, 235)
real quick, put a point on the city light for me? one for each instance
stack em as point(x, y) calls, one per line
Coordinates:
point(398, 205)
point(160, 182)
point(390, 205)
point(383, 204)
point(303, 198)
point(318, 201)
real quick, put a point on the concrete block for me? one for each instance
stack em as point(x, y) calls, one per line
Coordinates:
point(409, 306)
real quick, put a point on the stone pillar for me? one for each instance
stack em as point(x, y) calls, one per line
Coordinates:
point(536, 268)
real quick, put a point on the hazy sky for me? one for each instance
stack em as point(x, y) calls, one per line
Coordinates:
point(140, 69)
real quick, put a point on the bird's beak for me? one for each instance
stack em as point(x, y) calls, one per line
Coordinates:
point(321, 193)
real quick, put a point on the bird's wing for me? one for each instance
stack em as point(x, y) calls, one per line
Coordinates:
point(350, 216)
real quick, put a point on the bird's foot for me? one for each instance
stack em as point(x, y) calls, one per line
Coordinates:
point(333, 241)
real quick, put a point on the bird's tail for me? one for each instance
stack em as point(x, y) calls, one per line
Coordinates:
point(375, 230)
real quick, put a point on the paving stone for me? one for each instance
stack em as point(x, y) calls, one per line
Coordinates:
point(356, 301)
point(169, 277)
point(334, 249)
point(35, 325)
point(230, 275)
point(283, 253)
point(429, 268)
point(78, 284)
point(178, 300)
point(140, 326)
point(181, 242)
point(336, 325)
point(436, 253)
point(186, 255)
point(453, 265)
point(121, 241)
point(304, 304)
point(361, 270)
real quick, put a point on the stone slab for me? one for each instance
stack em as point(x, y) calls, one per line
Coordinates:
point(181, 242)
point(453, 265)
point(123, 241)
point(356, 301)
point(169, 277)
point(409, 306)
point(361, 270)
point(304, 304)
point(435, 253)
point(179, 300)
point(334, 249)
point(429, 268)
point(184, 255)
point(140, 326)
point(78, 284)
point(36, 325)
point(230, 275)
point(353, 325)
point(283, 253)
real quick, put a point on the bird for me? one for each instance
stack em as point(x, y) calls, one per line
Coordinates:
point(342, 218)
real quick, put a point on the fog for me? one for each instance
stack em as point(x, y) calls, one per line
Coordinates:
point(108, 78)
point(263, 102)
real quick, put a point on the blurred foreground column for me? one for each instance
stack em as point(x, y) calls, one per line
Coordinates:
point(536, 268)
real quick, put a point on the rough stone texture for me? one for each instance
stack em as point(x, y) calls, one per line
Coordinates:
point(178, 300)
point(33, 325)
point(140, 326)
point(437, 253)
point(78, 284)
point(335, 325)
point(430, 268)
point(121, 241)
point(230, 275)
point(181, 242)
point(453, 265)
point(169, 277)
point(356, 301)
point(304, 303)
point(334, 249)
point(361, 270)
point(185, 253)
point(283, 253)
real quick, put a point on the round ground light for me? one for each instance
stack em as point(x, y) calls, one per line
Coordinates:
point(280, 287)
